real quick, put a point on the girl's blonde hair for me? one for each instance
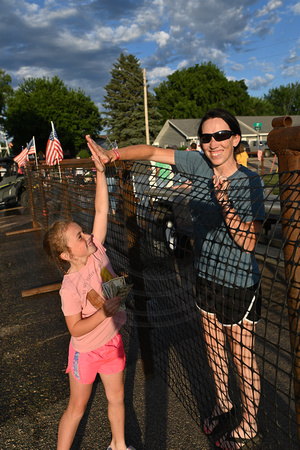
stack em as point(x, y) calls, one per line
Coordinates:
point(55, 243)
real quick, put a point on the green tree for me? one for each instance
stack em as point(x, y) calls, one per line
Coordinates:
point(37, 102)
point(84, 153)
point(284, 100)
point(124, 104)
point(5, 90)
point(259, 107)
point(189, 93)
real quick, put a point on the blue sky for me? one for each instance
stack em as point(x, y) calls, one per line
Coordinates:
point(79, 41)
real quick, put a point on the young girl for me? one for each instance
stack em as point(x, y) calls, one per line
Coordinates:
point(96, 345)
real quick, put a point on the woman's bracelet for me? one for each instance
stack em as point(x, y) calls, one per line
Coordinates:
point(116, 153)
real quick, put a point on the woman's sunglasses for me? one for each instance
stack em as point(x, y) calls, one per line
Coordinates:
point(218, 136)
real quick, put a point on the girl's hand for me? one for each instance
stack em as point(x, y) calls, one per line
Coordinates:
point(221, 185)
point(111, 306)
point(97, 160)
point(102, 154)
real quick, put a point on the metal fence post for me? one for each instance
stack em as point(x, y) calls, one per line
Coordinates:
point(284, 140)
point(65, 197)
point(30, 193)
point(43, 199)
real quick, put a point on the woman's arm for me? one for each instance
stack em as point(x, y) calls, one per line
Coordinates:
point(140, 152)
point(245, 234)
point(78, 326)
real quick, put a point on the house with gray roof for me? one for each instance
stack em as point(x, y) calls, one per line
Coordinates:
point(182, 132)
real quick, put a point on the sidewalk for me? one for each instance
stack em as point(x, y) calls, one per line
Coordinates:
point(34, 345)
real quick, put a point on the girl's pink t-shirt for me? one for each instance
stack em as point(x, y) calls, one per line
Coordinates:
point(73, 292)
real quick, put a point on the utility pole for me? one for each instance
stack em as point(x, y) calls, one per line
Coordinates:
point(146, 107)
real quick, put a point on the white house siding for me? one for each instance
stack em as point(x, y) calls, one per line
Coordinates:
point(184, 131)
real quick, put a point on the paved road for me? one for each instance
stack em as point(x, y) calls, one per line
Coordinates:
point(34, 387)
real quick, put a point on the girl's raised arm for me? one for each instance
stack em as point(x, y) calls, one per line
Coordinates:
point(101, 200)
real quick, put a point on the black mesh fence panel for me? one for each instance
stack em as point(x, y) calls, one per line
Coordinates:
point(151, 240)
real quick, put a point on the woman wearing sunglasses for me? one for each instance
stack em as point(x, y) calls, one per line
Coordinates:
point(227, 210)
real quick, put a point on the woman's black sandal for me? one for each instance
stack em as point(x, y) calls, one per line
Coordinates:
point(251, 443)
point(223, 420)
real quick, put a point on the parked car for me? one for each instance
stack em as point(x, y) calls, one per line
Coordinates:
point(12, 184)
point(263, 146)
point(164, 213)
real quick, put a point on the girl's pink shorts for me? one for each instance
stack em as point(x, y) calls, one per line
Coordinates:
point(108, 359)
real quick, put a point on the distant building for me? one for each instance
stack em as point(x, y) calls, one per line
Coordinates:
point(181, 132)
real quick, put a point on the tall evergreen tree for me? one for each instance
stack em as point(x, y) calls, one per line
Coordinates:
point(124, 102)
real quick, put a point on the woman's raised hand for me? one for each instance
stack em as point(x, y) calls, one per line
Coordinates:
point(102, 155)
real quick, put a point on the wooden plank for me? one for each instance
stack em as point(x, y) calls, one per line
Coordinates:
point(41, 290)
point(11, 233)
point(11, 209)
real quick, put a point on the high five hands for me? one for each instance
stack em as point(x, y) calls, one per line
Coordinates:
point(99, 154)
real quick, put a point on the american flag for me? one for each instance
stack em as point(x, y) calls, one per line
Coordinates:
point(54, 151)
point(22, 158)
point(31, 147)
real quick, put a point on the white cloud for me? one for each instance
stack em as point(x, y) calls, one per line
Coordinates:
point(266, 26)
point(272, 5)
point(258, 82)
point(182, 64)
point(263, 65)
point(237, 67)
point(155, 76)
point(291, 71)
point(160, 37)
point(292, 58)
point(26, 72)
point(80, 40)
point(296, 8)
point(34, 16)
point(175, 30)
point(66, 41)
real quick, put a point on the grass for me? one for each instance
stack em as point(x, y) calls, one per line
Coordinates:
point(272, 181)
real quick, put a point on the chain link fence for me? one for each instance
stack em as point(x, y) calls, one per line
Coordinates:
point(150, 239)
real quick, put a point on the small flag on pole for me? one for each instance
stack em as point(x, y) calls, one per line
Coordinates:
point(22, 158)
point(54, 151)
point(32, 150)
point(31, 147)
